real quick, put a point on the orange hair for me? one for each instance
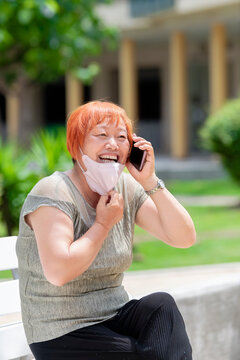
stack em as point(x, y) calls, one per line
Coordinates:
point(85, 117)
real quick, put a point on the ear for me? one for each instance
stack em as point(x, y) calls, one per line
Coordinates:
point(129, 152)
point(130, 148)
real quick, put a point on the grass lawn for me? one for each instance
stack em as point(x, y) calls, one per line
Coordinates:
point(2, 230)
point(156, 255)
point(224, 186)
point(218, 241)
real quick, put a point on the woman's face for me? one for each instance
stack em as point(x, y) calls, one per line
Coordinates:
point(107, 142)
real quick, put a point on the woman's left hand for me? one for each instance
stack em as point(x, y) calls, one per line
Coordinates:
point(148, 170)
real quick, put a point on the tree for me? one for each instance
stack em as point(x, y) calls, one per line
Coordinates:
point(221, 134)
point(41, 40)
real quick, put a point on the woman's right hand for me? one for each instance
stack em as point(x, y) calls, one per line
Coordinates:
point(109, 210)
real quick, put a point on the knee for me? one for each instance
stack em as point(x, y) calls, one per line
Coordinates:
point(160, 299)
point(164, 299)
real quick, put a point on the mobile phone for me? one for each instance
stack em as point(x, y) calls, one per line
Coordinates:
point(137, 157)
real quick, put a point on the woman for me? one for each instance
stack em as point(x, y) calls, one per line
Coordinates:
point(75, 242)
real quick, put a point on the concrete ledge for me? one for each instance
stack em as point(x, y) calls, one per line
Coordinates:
point(191, 168)
point(208, 297)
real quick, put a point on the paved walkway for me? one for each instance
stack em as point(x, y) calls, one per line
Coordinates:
point(209, 200)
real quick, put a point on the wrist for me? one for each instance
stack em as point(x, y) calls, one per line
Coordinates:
point(149, 183)
point(102, 226)
point(159, 185)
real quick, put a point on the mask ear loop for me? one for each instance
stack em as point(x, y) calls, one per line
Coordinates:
point(79, 162)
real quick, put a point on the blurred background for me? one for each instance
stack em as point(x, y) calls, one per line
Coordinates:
point(174, 65)
point(169, 63)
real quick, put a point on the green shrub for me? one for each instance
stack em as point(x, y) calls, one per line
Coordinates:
point(49, 152)
point(16, 180)
point(20, 169)
point(221, 134)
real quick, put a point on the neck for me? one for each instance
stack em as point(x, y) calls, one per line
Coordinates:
point(79, 180)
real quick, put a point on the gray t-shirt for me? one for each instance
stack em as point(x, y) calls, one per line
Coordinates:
point(50, 311)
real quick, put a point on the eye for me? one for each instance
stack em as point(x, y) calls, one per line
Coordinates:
point(122, 137)
point(102, 134)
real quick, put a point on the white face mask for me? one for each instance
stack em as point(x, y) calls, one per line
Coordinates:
point(101, 177)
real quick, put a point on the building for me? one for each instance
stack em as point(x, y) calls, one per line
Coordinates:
point(177, 61)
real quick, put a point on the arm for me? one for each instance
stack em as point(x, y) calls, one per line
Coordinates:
point(62, 258)
point(166, 219)
point(161, 214)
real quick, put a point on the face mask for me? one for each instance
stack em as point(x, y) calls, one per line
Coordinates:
point(101, 177)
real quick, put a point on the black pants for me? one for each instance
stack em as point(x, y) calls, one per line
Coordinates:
point(151, 328)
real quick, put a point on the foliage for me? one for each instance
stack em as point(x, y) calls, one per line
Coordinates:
point(221, 134)
point(49, 152)
point(21, 169)
point(16, 180)
point(43, 39)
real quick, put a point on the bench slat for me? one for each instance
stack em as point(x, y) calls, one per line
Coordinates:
point(8, 257)
point(9, 319)
point(9, 297)
point(13, 343)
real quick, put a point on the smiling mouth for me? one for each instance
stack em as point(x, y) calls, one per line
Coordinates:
point(108, 158)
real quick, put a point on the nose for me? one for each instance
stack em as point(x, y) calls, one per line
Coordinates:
point(112, 143)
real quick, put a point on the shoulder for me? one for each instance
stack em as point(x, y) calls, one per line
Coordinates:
point(124, 182)
point(53, 186)
point(50, 191)
point(46, 184)
point(129, 187)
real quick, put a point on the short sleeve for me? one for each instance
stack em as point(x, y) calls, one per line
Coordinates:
point(50, 191)
point(133, 192)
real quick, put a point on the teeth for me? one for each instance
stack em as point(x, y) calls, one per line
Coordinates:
point(108, 161)
point(109, 157)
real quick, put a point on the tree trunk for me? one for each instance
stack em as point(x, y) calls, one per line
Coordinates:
point(28, 117)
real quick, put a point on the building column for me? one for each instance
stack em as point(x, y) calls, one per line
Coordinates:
point(128, 79)
point(13, 115)
point(218, 67)
point(74, 93)
point(237, 72)
point(178, 96)
point(101, 86)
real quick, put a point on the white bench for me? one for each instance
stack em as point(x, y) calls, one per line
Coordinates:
point(13, 343)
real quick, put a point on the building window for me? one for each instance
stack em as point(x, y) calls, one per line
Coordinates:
point(149, 95)
point(2, 108)
point(54, 103)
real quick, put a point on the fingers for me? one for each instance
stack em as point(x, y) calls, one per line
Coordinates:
point(110, 209)
point(114, 198)
point(141, 143)
point(144, 145)
point(149, 164)
point(103, 200)
point(110, 198)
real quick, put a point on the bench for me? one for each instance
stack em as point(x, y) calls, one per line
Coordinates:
point(13, 343)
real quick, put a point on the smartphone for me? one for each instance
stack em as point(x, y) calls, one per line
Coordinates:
point(137, 157)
